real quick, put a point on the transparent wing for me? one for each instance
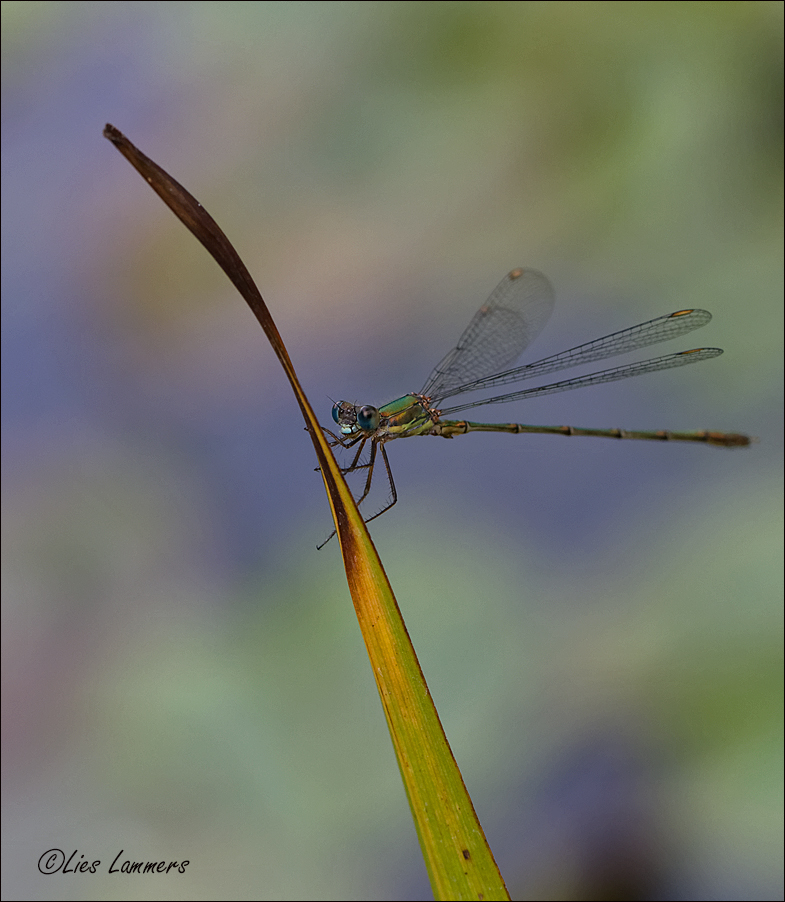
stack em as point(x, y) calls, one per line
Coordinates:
point(663, 328)
point(611, 375)
point(511, 318)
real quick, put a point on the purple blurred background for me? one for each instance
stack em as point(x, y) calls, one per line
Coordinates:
point(600, 622)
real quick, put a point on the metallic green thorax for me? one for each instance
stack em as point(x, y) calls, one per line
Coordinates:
point(405, 416)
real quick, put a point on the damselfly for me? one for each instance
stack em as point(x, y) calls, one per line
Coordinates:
point(511, 318)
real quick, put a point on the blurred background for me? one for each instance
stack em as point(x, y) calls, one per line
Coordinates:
point(600, 622)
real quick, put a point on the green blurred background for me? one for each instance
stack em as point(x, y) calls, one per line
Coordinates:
point(599, 622)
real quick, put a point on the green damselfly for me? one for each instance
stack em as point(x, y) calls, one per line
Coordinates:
point(511, 318)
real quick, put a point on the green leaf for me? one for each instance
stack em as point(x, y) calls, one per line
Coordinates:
point(459, 861)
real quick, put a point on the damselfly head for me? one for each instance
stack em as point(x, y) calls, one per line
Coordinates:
point(353, 419)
